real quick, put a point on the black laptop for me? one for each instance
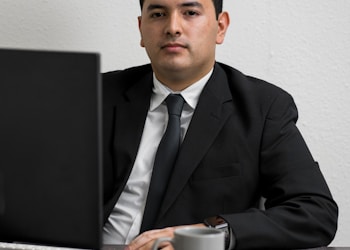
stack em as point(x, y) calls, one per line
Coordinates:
point(50, 148)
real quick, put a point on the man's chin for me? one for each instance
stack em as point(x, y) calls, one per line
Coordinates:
point(173, 67)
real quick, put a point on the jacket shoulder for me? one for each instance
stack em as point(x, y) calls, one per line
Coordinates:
point(129, 74)
point(116, 83)
point(249, 83)
point(256, 96)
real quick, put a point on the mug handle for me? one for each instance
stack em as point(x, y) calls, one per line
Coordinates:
point(160, 240)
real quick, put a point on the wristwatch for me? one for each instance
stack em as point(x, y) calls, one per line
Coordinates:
point(219, 223)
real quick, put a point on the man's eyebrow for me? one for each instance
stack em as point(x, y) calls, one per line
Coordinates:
point(192, 4)
point(154, 6)
point(188, 4)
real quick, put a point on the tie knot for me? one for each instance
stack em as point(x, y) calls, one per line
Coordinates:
point(175, 103)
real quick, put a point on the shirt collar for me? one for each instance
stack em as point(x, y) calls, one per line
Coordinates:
point(190, 94)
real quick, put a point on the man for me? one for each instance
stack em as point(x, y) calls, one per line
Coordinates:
point(239, 143)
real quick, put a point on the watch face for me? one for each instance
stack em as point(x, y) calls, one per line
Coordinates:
point(216, 221)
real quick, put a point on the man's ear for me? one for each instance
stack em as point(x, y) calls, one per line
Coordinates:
point(139, 19)
point(223, 24)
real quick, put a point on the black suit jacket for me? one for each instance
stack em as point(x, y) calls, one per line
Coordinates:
point(242, 144)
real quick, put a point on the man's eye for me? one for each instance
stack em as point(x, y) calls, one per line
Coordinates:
point(157, 14)
point(191, 13)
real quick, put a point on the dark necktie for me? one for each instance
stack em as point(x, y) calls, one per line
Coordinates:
point(164, 161)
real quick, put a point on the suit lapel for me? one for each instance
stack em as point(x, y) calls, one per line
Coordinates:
point(211, 113)
point(130, 119)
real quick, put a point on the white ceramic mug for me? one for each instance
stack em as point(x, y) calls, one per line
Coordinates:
point(195, 239)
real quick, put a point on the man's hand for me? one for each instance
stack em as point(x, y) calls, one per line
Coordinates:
point(146, 240)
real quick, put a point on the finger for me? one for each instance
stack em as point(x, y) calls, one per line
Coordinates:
point(169, 247)
point(146, 239)
point(165, 245)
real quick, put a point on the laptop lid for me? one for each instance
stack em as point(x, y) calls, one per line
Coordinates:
point(50, 148)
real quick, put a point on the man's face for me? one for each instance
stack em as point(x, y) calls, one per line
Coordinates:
point(180, 36)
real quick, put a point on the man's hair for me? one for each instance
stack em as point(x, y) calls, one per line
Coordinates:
point(217, 5)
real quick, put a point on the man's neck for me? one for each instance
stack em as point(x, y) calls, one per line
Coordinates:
point(178, 86)
point(177, 81)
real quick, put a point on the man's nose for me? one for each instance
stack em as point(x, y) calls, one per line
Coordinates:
point(174, 25)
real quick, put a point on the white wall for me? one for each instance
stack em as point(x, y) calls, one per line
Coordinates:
point(301, 46)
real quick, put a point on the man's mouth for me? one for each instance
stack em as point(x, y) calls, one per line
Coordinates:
point(173, 46)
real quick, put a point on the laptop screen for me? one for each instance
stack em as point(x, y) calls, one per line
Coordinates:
point(50, 148)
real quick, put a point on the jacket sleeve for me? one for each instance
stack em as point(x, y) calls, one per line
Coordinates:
point(299, 209)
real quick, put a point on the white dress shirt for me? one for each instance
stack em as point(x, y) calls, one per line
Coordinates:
point(124, 223)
